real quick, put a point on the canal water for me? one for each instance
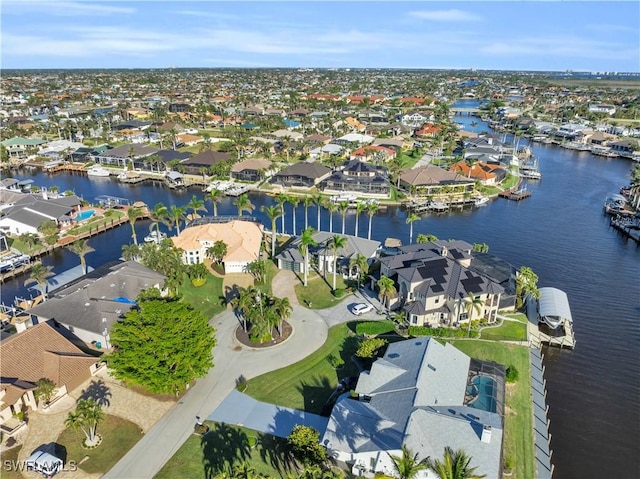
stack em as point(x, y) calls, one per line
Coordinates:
point(560, 232)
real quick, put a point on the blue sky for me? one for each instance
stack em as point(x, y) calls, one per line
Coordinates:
point(581, 36)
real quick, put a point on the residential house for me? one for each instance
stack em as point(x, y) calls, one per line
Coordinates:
point(125, 155)
point(415, 119)
point(425, 396)
point(179, 107)
point(253, 169)
point(17, 147)
point(303, 174)
point(434, 283)
point(205, 159)
point(326, 150)
point(291, 258)
point(360, 178)
point(488, 174)
point(291, 135)
point(430, 180)
point(243, 238)
point(373, 153)
point(30, 211)
point(38, 352)
point(602, 108)
point(428, 131)
point(88, 307)
point(624, 147)
point(354, 138)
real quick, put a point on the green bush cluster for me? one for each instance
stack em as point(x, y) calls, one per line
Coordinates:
point(441, 332)
point(511, 374)
point(339, 292)
point(375, 327)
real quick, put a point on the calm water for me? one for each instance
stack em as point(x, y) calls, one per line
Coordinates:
point(593, 391)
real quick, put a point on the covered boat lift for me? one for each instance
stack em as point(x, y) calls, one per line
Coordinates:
point(553, 307)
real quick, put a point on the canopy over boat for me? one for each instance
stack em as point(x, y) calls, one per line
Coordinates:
point(553, 307)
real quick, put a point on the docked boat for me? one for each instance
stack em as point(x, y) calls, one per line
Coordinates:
point(530, 174)
point(97, 171)
point(155, 237)
point(348, 197)
point(236, 190)
point(480, 200)
point(438, 206)
point(614, 204)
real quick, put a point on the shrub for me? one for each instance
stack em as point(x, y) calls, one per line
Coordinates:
point(335, 361)
point(375, 327)
point(197, 282)
point(511, 374)
point(441, 332)
point(370, 347)
point(305, 445)
point(338, 292)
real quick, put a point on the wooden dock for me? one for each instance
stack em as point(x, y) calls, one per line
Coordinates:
point(515, 195)
point(537, 338)
point(69, 167)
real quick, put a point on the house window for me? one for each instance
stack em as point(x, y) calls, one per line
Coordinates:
point(414, 319)
point(437, 299)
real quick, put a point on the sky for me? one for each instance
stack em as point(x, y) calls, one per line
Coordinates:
point(506, 35)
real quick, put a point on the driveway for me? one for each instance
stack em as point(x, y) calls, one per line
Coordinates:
point(341, 312)
point(231, 360)
point(242, 410)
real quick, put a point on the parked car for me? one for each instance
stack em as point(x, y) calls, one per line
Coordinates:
point(361, 308)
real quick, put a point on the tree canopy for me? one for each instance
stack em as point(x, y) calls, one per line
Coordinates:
point(162, 345)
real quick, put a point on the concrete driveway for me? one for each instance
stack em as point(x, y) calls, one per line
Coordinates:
point(342, 312)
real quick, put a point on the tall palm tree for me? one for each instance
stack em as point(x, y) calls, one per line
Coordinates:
point(133, 214)
point(39, 274)
point(332, 207)
point(343, 206)
point(195, 204)
point(243, 203)
point(273, 212)
point(87, 416)
point(335, 243)
point(81, 248)
point(294, 201)
point(455, 465)
point(306, 240)
point(410, 219)
point(318, 201)
point(282, 307)
point(281, 199)
point(387, 289)
point(215, 196)
point(158, 215)
point(371, 210)
point(175, 214)
point(407, 466)
point(360, 207)
point(306, 202)
point(359, 261)
point(472, 303)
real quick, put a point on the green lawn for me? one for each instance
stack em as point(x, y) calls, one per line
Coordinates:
point(507, 331)
point(208, 299)
point(318, 292)
point(8, 459)
point(518, 433)
point(309, 383)
point(224, 448)
point(118, 436)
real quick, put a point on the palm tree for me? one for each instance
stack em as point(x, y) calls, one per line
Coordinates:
point(343, 206)
point(318, 201)
point(281, 199)
point(454, 466)
point(387, 289)
point(130, 252)
point(335, 243)
point(332, 207)
point(134, 213)
point(408, 466)
point(87, 416)
point(243, 203)
point(195, 205)
point(410, 219)
point(306, 202)
point(217, 252)
point(360, 207)
point(472, 303)
point(306, 240)
point(158, 215)
point(425, 238)
point(81, 248)
point(282, 307)
point(293, 201)
point(39, 274)
point(175, 214)
point(371, 210)
point(273, 212)
point(215, 196)
point(359, 261)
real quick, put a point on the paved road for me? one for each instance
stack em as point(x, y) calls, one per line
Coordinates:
point(231, 361)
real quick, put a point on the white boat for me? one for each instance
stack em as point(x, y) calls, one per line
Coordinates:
point(438, 206)
point(480, 200)
point(155, 237)
point(531, 174)
point(97, 170)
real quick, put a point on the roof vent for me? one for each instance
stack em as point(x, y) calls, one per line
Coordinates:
point(431, 366)
point(486, 434)
point(393, 355)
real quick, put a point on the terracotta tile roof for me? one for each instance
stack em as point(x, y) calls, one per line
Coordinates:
point(429, 175)
point(41, 352)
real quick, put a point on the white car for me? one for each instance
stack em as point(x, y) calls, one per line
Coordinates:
point(361, 308)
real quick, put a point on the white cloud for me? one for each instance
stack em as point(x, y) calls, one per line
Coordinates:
point(452, 15)
point(204, 14)
point(64, 9)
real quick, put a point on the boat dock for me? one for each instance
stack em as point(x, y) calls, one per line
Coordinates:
point(515, 195)
point(627, 225)
point(542, 437)
point(68, 167)
point(537, 336)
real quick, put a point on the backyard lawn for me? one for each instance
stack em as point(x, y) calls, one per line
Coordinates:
point(317, 294)
point(507, 331)
point(225, 447)
point(207, 299)
point(118, 436)
point(518, 430)
point(9, 458)
point(308, 384)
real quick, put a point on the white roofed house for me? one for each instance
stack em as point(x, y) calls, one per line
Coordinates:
point(426, 396)
point(30, 211)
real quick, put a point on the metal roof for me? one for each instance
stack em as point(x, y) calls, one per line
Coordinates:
point(553, 306)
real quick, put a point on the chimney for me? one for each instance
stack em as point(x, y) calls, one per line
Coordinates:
point(486, 434)
point(444, 251)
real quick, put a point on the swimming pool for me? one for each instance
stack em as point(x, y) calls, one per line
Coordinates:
point(85, 215)
point(484, 390)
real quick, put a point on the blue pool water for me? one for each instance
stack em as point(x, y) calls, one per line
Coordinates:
point(484, 390)
point(85, 215)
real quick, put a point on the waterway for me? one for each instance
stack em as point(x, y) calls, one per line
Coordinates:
point(560, 232)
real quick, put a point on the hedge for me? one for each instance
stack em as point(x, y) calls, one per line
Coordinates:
point(441, 332)
point(375, 327)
